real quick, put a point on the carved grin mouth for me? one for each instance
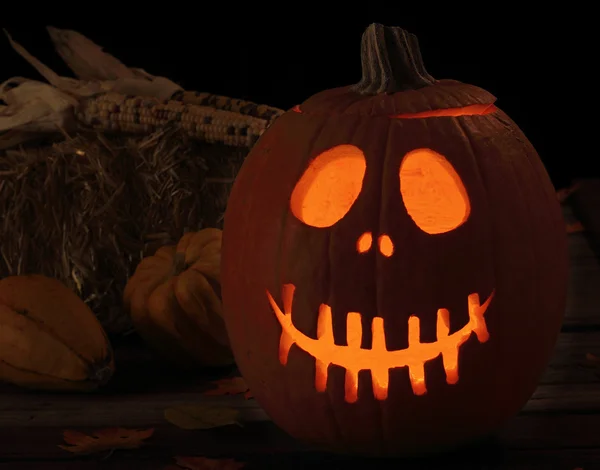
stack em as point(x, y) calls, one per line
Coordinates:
point(378, 359)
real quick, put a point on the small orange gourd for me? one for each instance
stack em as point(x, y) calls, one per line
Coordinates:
point(174, 301)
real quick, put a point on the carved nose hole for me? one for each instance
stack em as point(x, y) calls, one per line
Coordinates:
point(386, 247)
point(364, 242)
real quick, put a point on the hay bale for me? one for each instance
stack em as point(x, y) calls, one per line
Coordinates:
point(85, 210)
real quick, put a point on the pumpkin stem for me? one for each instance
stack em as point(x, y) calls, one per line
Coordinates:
point(178, 263)
point(391, 61)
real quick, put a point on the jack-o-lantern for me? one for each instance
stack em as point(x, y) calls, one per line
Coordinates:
point(394, 261)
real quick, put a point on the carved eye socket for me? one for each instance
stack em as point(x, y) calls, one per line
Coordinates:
point(433, 193)
point(329, 186)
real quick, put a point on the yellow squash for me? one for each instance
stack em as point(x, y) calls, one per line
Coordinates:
point(49, 338)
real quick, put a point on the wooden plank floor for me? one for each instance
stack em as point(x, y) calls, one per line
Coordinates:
point(559, 428)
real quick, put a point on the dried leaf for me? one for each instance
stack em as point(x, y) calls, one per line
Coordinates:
point(89, 62)
point(43, 69)
point(231, 386)
point(564, 193)
point(137, 82)
point(575, 227)
point(203, 463)
point(201, 416)
point(591, 361)
point(105, 439)
point(69, 85)
point(85, 58)
point(592, 358)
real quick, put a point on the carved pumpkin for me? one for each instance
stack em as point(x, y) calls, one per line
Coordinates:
point(394, 261)
point(49, 338)
point(174, 301)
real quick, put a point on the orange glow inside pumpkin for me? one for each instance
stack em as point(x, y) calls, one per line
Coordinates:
point(433, 193)
point(386, 247)
point(378, 359)
point(329, 186)
point(364, 242)
point(470, 110)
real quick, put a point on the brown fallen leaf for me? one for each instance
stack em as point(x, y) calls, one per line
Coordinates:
point(575, 227)
point(201, 416)
point(592, 358)
point(203, 463)
point(105, 439)
point(231, 386)
point(564, 193)
point(592, 362)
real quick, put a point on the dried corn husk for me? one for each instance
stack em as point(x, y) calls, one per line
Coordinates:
point(66, 104)
point(34, 106)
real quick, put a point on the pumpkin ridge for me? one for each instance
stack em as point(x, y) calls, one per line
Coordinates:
point(179, 264)
point(214, 324)
point(332, 409)
point(213, 281)
point(278, 269)
point(286, 214)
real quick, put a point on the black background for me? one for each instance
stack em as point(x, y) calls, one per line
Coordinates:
point(541, 69)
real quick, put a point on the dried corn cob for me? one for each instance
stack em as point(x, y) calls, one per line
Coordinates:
point(116, 112)
point(247, 108)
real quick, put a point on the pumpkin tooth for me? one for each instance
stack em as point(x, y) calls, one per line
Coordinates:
point(449, 357)
point(286, 341)
point(476, 312)
point(285, 344)
point(288, 297)
point(416, 367)
point(325, 324)
point(324, 333)
point(321, 373)
point(380, 376)
point(354, 339)
point(351, 386)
